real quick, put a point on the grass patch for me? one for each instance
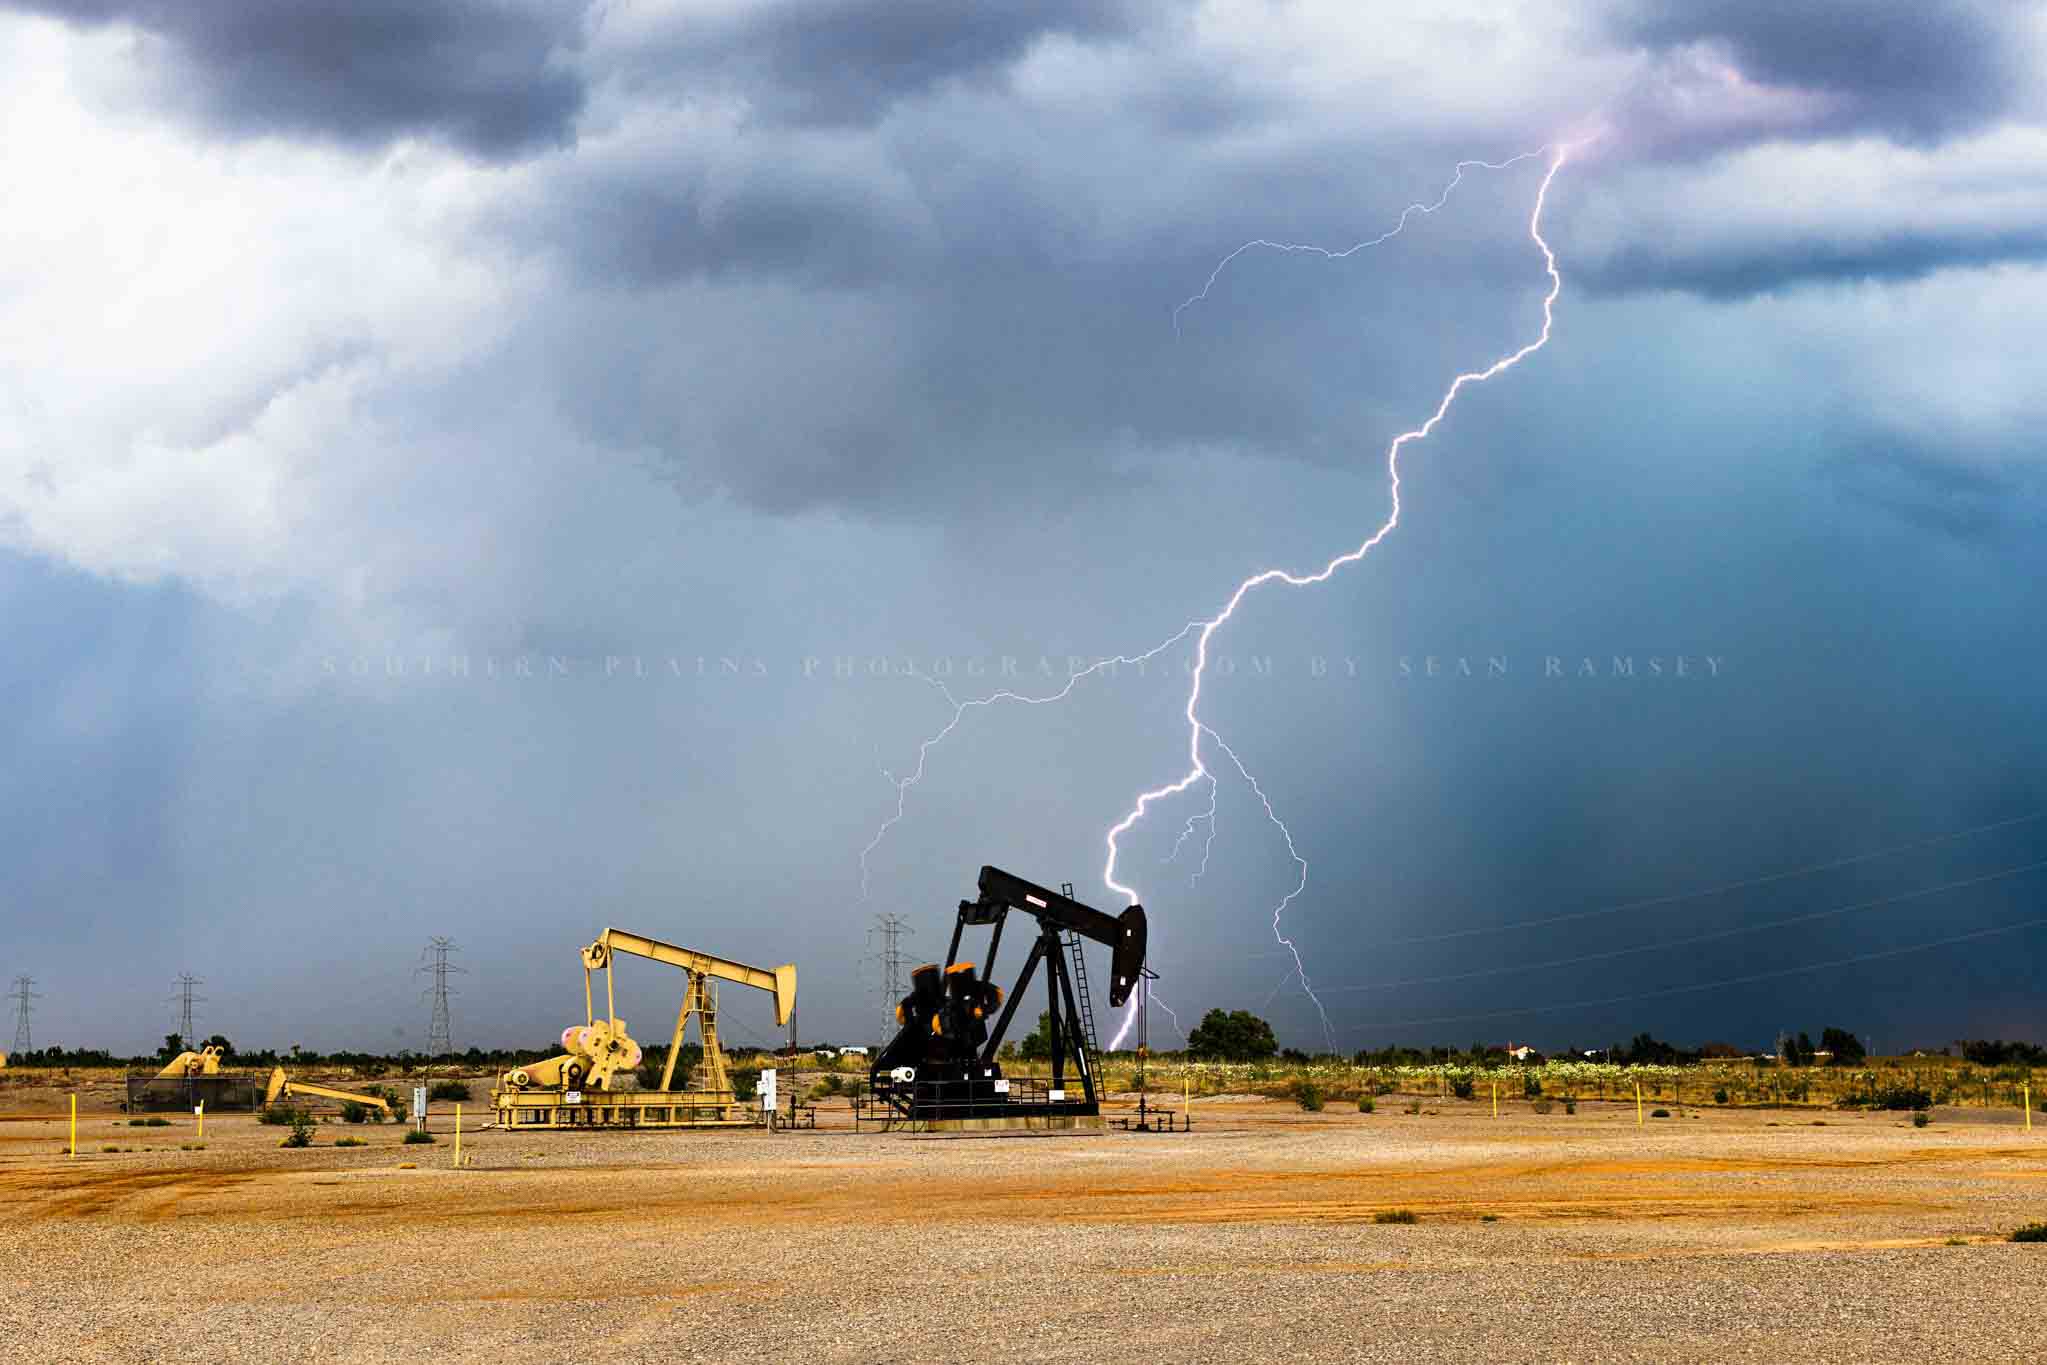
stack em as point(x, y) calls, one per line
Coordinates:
point(1957, 1242)
point(110, 1149)
point(449, 1090)
point(191, 1146)
point(151, 1122)
point(1489, 1218)
point(1366, 1104)
point(1659, 1113)
point(2031, 1232)
point(416, 1137)
point(1396, 1216)
point(350, 1142)
point(1921, 1118)
point(1541, 1106)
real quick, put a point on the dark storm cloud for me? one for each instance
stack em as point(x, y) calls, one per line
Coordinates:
point(1916, 72)
point(848, 61)
point(1739, 270)
point(485, 75)
point(1931, 489)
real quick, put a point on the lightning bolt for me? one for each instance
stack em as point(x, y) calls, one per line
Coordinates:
point(1198, 770)
point(1410, 211)
point(1203, 631)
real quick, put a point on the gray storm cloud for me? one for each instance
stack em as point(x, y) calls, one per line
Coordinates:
point(844, 330)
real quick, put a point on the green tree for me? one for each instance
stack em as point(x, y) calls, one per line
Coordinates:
point(173, 1044)
point(1238, 1036)
point(1037, 1044)
point(1846, 1047)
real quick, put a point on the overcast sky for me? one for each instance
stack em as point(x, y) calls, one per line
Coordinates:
point(503, 468)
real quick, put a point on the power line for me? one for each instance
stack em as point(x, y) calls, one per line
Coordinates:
point(1607, 955)
point(23, 995)
point(186, 984)
point(440, 1039)
point(888, 960)
point(1749, 979)
point(1722, 889)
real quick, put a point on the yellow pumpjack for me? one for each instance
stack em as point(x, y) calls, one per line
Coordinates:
point(588, 1086)
point(285, 1086)
point(205, 1062)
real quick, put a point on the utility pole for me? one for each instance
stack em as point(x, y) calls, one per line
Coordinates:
point(22, 995)
point(185, 999)
point(440, 1039)
point(889, 931)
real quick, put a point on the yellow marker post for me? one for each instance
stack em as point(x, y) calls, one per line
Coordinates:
point(458, 1135)
point(2029, 1106)
point(1496, 1099)
point(200, 1110)
point(1638, 1104)
point(74, 1124)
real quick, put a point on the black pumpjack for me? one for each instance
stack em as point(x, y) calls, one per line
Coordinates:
point(940, 1070)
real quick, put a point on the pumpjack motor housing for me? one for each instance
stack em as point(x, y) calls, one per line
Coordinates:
point(940, 1072)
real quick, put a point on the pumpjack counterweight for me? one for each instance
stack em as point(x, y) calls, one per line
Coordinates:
point(940, 1072)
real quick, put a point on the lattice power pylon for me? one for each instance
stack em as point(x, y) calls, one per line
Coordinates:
point(440, 1032)
point(185, 997)
point(24, 997)
point(888, 932)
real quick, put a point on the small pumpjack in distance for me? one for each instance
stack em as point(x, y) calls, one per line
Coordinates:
point(940, 1073)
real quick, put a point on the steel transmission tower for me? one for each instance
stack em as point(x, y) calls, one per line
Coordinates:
point(440, 1039)
point(187, 984)
point(889, 931)
point(23, 995)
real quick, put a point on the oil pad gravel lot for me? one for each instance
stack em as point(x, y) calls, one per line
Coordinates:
point(1721, 1235)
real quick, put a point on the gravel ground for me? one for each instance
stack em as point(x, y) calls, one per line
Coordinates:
point(1753, 1235)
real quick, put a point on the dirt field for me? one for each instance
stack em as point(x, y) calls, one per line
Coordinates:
point(1716, 1234)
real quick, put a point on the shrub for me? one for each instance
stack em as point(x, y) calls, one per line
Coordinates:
point(301, 1134)
point(1461, 1085)
point(281, 1116)
point(1489, 1218)
point(1570, 1106)
point(1542, 1106)
point(1901, 1097)
point(1531, 1085)
point(150, 1122)
point(1366, 1104)
point(828, 1086)
point(417, 1136)
point(456, 1091)
point(1399, 1216)
point(1659, 1113)
point(191, 1146)
point(1414, 1106)
point(350, 1142)
point(1920, 1118)
point(2031, 1232)
point(351, 1112)
point(1308, 1095)
point(110, 1149)
point(1720, 1095)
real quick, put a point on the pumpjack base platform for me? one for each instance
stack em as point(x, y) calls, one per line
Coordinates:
point(556, 1109)
point(1009, 1123)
